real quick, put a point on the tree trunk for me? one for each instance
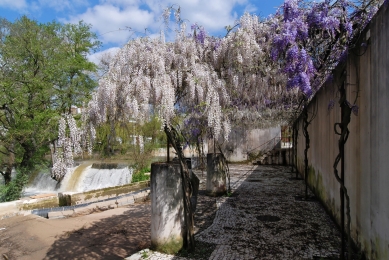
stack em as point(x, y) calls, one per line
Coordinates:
point(27, 161)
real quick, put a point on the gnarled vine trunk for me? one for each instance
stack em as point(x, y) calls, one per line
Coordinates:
point(294, 148)
point(306, 123)
point(343, 136)
point(174, 139)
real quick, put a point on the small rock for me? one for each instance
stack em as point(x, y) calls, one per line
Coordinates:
point(102, 208)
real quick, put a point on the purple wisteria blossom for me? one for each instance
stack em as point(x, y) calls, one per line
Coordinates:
point(199, 32)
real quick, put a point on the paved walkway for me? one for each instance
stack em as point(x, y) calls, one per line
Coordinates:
point(264, 220)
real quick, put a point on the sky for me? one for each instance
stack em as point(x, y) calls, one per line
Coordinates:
point(117, 21)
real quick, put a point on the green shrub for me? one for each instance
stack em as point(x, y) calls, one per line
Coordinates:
point(139, 175)
point(14, 189)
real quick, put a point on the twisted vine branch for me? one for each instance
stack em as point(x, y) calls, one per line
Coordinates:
point(174, 138)
point(343, 136)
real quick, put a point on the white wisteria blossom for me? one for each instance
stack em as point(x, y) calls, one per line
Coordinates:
point(149, 74)
point(222, 80)
point(72, 140)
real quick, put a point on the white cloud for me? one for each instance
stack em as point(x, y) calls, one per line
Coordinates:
point(96, 57)
point(115, 24)
point(19, 5)
point(250, 8)
point(214, 15)
point(117, 21)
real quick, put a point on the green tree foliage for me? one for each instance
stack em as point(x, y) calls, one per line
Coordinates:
point(43, 72)
point(75, 83)
point(115, 138)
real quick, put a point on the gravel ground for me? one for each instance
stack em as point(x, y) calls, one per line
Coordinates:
point(262, 219)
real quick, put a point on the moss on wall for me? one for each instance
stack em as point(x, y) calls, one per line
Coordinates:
point(41, 204)
point(106, 193)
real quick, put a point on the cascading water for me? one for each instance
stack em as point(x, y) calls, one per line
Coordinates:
point(93, 179)
point(82, 178)
point(42, 183)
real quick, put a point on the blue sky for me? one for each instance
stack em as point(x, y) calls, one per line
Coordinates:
point(110, 19)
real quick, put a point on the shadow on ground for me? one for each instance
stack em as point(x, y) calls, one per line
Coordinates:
point(114, 237)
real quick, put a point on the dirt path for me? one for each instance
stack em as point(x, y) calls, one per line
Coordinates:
point(111, 234)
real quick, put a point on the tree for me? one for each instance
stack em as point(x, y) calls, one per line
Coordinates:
point(75, 82)
point(171, 77)
point(195, 77)
point(43, 70)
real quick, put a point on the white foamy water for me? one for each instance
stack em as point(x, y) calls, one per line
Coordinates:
point(93, 179)
point(42, 183)
point(79, 179)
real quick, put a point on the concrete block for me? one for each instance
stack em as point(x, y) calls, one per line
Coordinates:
point(167, 218)
point(216, 175)
point(126, 201)
point(55, 215)
point(68, 212)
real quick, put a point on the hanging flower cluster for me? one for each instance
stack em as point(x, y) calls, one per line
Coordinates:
point(255, 75)
point(71, 140)
point(311, 38)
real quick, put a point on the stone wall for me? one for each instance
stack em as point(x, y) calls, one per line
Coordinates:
point(367, 148)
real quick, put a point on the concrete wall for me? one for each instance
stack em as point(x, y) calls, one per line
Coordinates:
point(242, 141)
point(367, 148)
point(75, 198)
point(25, 205)
point(44, 201)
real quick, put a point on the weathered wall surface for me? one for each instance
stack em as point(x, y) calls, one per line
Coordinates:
point(242, 141)
point(167, 208)
point(367, 148)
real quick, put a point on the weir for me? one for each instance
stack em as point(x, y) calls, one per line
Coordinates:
point(85, 177)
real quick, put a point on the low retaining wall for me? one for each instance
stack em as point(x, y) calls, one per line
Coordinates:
point(91, 207)
point(71, 198)
point(24, 206)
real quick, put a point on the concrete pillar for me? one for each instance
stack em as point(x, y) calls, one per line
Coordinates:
point(167, 209)
point(216, 176)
